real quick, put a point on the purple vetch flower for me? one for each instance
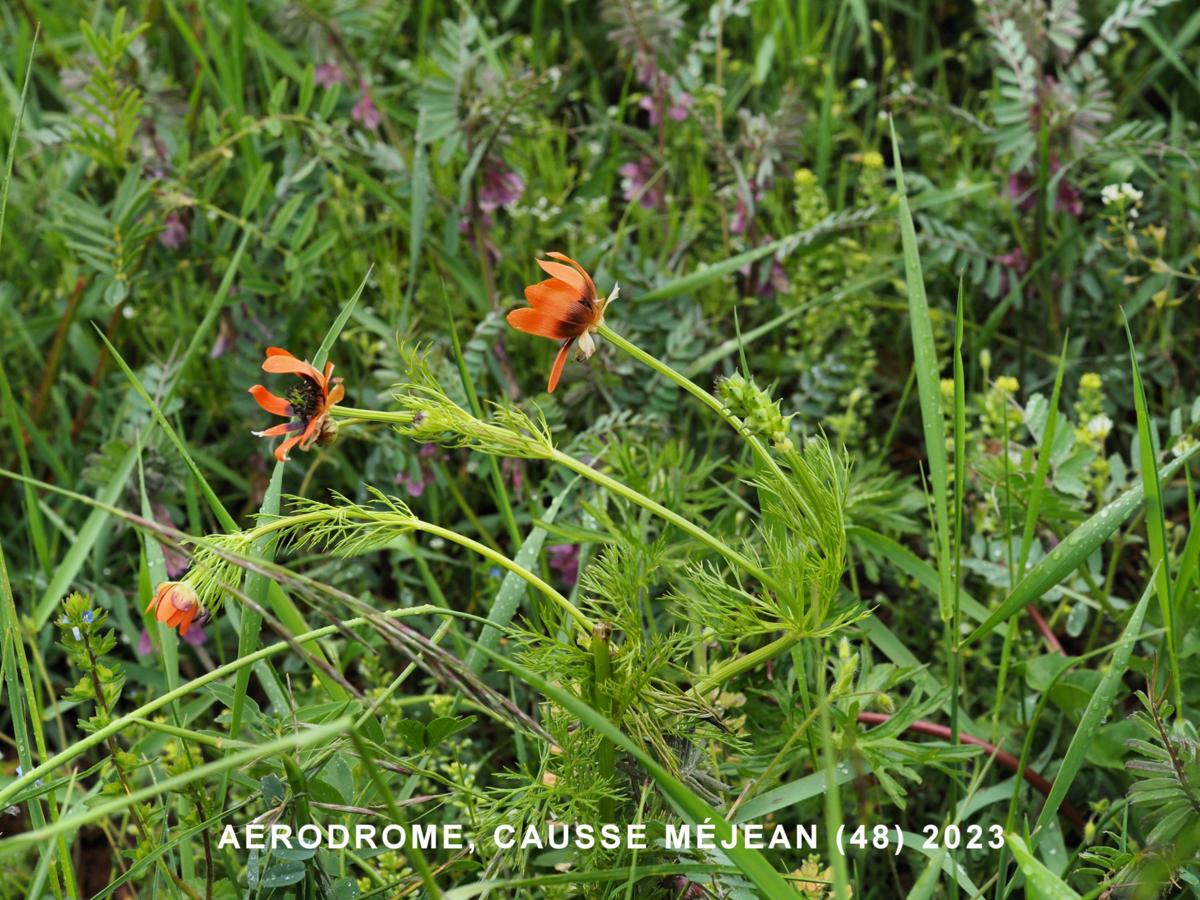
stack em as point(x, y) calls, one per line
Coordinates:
point(501, 188)
point(743, 213)
point(415, 484)
point(195, 635)
point(776, 280)
point(740, 221)
point(677, 108)
point(646, 67)
point(226, 334)
point(328, 74)
point(650, 105)
point(681, 107)
point(564, 559)
point(1013, 262)
point(513, 473)
point(636, 183)
point(1067, 197)
point(365, 113)
point(174, 231)
point(194, 638)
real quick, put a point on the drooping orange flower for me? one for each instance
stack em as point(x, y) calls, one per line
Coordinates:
point(175, 604)
point(307, 404)
point(564, 308)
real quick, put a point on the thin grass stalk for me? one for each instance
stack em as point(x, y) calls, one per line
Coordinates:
point(95, 738)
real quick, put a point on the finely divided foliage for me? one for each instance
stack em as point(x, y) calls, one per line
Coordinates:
point(850, 535)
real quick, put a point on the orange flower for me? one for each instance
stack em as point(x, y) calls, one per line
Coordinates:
point(175, 605)
point(307, 404)
point(564, 308)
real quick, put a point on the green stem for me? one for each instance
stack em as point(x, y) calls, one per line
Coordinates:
point(504, 562)
point(419, 863)
point(695, 390)
point(606, 754)
point(502, 501)
point(373, 415)
point(414, 524)
point(102, 734)
point(217, 742)
point(10, 626)
point(741, 561)
point(753, 659)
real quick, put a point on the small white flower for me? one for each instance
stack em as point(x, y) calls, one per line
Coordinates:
point(1182, 446)
point(1131, 193)
point(1110, 194)
point(1100, 426)
point(1133, 213)
point(858, 84)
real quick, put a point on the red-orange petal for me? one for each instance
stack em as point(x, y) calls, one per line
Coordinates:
point(310, 433)
point(272, 403)
point(559, 361)
point(165, 610)
point(591, 285)
point(278, 430)
point(282, 450)
point(535, 322)
point(555, 297)
point(188, 616)
point(564, 273)
point(280, 362)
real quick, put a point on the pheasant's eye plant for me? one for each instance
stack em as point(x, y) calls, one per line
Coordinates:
point(849, 555)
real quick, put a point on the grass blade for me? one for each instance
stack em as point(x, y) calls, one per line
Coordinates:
point(691, 807)
point(1156, 524)
point(1098, 708)
point(1072, 552)
point(1040, 882)
point(929, 388)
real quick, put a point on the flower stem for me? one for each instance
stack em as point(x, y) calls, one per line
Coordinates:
point(373, 415)
point(411, 523)
point(754, 658)
point(738, 559)
point(695, 390)
point(504, 562)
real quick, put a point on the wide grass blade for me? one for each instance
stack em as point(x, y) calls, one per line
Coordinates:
point(1040, 882)
point(690, 806)
point(929, 388)
point(508, 599)
point(1098, 709)
point(1156, 524)
point(1072, 552)
point(92, 528)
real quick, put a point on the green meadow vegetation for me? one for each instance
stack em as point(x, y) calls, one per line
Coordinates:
point(769, 417)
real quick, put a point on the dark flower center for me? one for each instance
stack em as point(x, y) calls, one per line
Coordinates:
point(305, 398)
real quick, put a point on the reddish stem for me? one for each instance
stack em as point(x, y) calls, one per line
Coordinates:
point(1003, 757)
point(1047, 633)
